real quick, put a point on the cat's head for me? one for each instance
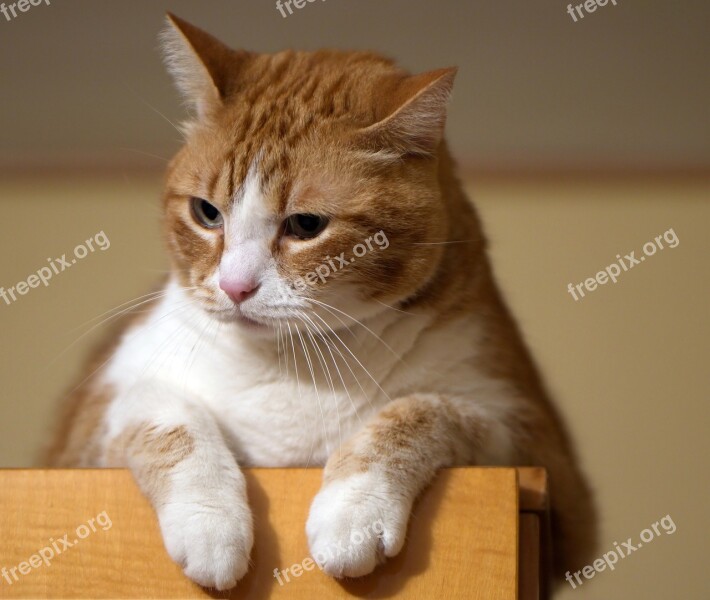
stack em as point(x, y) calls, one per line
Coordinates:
point(308, 184)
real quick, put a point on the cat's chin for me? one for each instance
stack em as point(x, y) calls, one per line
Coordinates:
point(246, 324)
point(250, 324)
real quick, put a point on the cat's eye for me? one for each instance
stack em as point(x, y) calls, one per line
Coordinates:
point(305, 226)
point(206, 214)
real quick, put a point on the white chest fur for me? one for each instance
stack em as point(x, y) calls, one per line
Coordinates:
point(288, 401)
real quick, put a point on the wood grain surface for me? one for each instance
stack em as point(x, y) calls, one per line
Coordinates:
point(462, 540)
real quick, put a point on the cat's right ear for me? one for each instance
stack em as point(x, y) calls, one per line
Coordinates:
point(203, 67)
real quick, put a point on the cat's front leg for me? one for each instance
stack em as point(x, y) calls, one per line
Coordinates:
point(360, 515)
point(179, 459)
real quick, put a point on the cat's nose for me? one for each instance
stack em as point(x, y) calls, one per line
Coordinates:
point(238, 289)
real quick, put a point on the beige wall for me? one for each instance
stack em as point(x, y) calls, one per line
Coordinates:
point(627, 364)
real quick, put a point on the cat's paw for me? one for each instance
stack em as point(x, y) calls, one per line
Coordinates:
point(355, 523)
point(210, 540)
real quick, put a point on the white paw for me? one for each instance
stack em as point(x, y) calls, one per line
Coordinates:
point(354, 523)
point(211, 539)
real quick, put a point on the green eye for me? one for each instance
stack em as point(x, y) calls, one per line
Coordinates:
point(206, 214)
point(305, 226)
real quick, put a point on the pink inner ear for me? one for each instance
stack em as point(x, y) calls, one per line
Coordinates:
point(238, 289)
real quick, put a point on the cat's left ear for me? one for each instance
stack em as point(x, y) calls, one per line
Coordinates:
point(203, 67)
point(416, 116)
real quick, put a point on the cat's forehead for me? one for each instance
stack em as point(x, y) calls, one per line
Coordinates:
point(285, 100)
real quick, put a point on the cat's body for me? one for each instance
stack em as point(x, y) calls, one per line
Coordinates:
point(398, 363)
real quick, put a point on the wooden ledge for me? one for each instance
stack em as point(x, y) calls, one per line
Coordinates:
point(462, 540)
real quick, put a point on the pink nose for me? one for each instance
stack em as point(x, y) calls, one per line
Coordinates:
point(238, 290)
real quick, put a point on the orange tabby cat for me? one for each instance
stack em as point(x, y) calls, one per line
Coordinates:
point(330, 303)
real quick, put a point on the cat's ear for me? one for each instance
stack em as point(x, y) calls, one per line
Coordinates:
point(417, 116)
point(201, 65)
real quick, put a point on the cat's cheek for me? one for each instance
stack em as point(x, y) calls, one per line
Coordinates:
point(210, 543)
point(354, 523)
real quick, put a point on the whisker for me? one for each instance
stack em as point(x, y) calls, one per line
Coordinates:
point(149, 294)
point(99, 324)
point(178, 332)
point(182, 134)
point(315, 387)
point(104, 363)
point(443, 243)
point(326, 372)
point(278, 346)
point(344, 358)
point(361, 365)
point(328, 306)
point(165, 160)
point(284, 343)
point(404, 312)
point(328, 344)
point(192, 356)
point(300, 397)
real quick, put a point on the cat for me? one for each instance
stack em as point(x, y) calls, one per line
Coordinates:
point(330, 303)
